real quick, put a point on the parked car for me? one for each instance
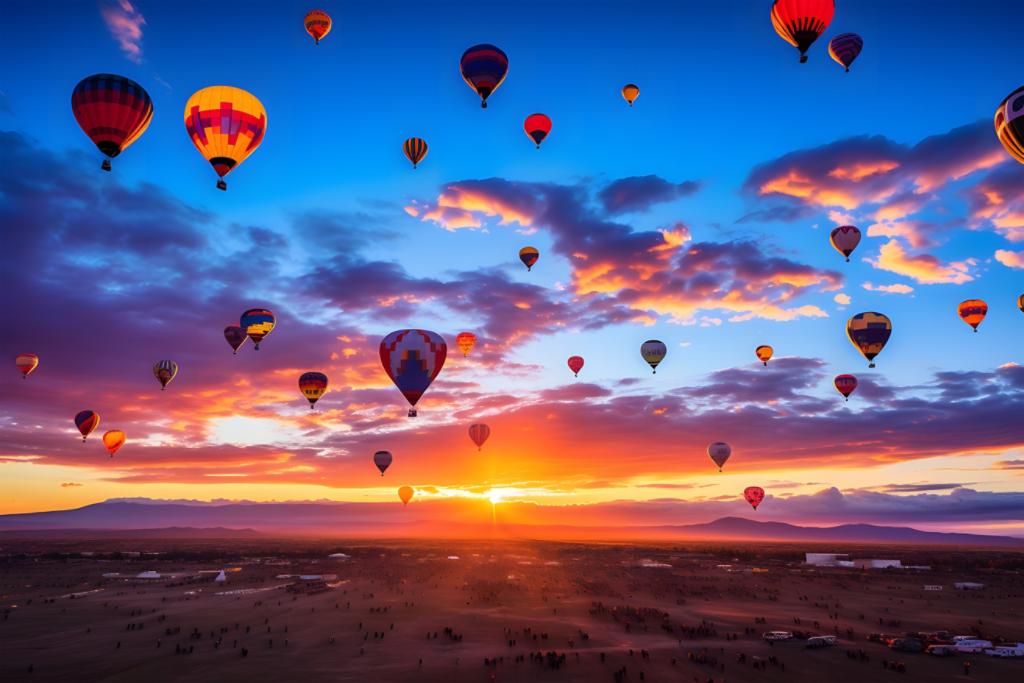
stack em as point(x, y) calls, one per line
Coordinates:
point(972, 645)
point(820, 641)
point(907, 645)
point(1006, 650)
point(941, 650)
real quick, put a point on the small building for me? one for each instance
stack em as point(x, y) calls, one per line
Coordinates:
point(968, 586)
point(878, 564)
point(149, 576)
point(932, 587)
point(825, 559)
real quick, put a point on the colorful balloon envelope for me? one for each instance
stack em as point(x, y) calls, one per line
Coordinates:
point(719, 453)
point(844, 48)
point(753, 495)
point(257, 323)
point(113, 111)
point(415, 149)
point(630, 92)
point(226, 125)
point(845, 239)
point(313, 385)
point(479, 433)
point(484, 67)
point(26, 363)
point(465, 341)
point(869, 332)
point(87, 421)
point(382, 459)
point(845, 385)
point(575, 364)
point(1020, 303)
point(406, 493)
point(318, 25)
point(764, 353)
point(113, 440)
point(1009, 123)
point(537, 127)
point(653, 351)
point(412, 359)
point(801, 22)
point(165, 371)
point(529, 256)
point(972, 312)
point(235, 336)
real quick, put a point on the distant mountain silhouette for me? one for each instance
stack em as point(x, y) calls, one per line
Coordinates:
point(136, 518)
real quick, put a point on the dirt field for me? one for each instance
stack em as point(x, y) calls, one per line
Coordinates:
point(605, 613)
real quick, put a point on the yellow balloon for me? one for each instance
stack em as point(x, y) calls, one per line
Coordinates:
point(113, 440)
point(226, 125)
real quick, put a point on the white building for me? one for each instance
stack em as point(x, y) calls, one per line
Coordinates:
point(825, 559)
point(878, 564)
point(968, 586)
point(932, 587)
point(150, 575)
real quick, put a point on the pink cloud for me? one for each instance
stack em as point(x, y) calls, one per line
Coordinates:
point(888, 289)
point(125, 24)
point(924, 269)
point(1010, 259)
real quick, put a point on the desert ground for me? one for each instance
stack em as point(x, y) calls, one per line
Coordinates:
point(488, 611)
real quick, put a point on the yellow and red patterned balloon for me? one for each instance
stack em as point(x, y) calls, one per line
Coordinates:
point(318, 24)
point(26, 363)
point(226, 125)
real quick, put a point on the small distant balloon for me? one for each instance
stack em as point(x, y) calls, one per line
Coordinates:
point(465, 341)
point(1009, 123)
point(313, 385)
point(113, 111)
point(406, 493)
point(801, 22)
point(87, 421)
point(484, 67)
point(318, 25)
point(844, 48)
point(479, 433)
point(26, 363)
point(113, 440)
point(764, 353)
point(165, 371)
point(845, 239)
point(257, 324)
point(869, 332)
point(972, 312)
point(529, 256)
point(1020, 303)
point(653, 351)
point(753, 495)
point(235, 336)
point(537, 127)
point(630, 92)
point(415, 150)
point(575, 364)
point(719, 452)
point(845, 385)
point(382, 459)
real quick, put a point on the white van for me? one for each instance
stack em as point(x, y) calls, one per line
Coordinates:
point(786, 635)
point(1007, 650)
point(972, 645)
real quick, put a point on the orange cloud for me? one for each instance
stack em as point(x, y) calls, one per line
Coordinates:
point(1010, 259)
point(924, 269)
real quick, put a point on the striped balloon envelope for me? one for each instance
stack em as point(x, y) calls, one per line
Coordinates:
point(972, 312)
point(415, 149)
point(845, 385)
point(529, 256)
point(226, 125)
point(478, 434)
point(113, 440)
point(653, 351)
point(26, 363)
point(257, 323)
point(413, 359)
point(87, 421)
point(165, 371)
point(484, 67)
point(845, 239)
point(537, 127)
point(801, 22)
point(235, 336)
point(869, 332)
point(113, 111)
point(318, 24)
point(313, 385)
point(1009, 123)
point(844, 48)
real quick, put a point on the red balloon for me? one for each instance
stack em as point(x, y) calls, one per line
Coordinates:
point(576, 364)
point(754, 495)
point(845, 385)
point(537, 127)
point(479, 433)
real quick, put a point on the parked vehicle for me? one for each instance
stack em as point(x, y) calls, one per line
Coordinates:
point(941, 650)
point(820, 641)
point(972, 645)
point(782, 635)
point(1006, 650)
point(907, 645)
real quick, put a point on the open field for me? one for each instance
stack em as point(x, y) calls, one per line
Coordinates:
point(658, 613)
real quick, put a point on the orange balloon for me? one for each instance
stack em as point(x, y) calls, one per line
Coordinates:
point(113, 440)
point(972, 312)
point(764, 353)
point(465, 341)
point(406, 494)
point(318, 24)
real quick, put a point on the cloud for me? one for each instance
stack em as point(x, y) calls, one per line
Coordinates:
point(639, 193)
point(888, 289)
point(918, 488)
point(842, 299)
point(1010, 259)
point(924, 269)
point(998, 202)
point(125, 24)
point(70, 484)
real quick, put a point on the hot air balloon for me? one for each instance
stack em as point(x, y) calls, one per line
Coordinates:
point(630, 92)
point(479, 433)
point(719, 452)
point(869, 332)
point(972, 312)
point(764, 353)
point(165, 371)
point(845, 385)
point(844, 48)
point(537, 127)
point(575, 364)
point(382, 459)
point(484, 68)
point(1009, 123)
point(113, 440)
point(113, 111)
point(257, 323)
point(754, 495)
point(313, 385)
point(465, 341)
point(235, 336)
point(406, 494)
point(318, 25)
point(412, 359)
point(653, 351)
point(415, 149)
point(529, 256)
point(845, 239)
point(26, 363)
point(1020, 303)
point(226, 125)
point(801, 22)
point(87, 421)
